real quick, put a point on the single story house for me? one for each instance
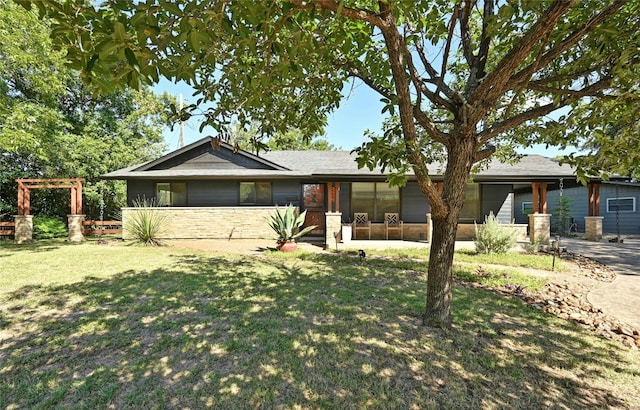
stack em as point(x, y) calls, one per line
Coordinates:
point(215, 191)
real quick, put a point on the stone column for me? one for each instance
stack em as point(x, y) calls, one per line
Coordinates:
point(75, 227)
point(593, 227)
point(540, 228)
point(429, 227)
point(332, 228)
point(24, 228)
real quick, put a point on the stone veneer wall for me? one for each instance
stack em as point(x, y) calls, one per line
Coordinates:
point(467, 232)
point(210, 223)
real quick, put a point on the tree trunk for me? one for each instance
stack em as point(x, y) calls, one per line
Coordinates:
point(445, 227)
point(440, 276)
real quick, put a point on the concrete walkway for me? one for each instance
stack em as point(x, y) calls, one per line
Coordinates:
point(620, 298)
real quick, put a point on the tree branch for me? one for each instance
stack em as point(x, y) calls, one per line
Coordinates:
point(485, 40)
point(524, 74)
point(355, 72)
point(486, 135)
point(447, 48)
point(493, 85)
point(463, 15)
point(426, 123)
point(437, 80)
point(349, 12)
point(570, 96)
point(484, 153)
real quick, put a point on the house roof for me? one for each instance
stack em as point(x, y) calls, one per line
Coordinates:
point(194, 162)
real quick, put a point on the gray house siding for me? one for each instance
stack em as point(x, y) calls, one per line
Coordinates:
point(345, 202)
point(413, 205)
point(497, 199)
point(212, 193)
point(629, 222)
point(206, 157)
point(286, 192)
point(140, 189)
point(204, 193)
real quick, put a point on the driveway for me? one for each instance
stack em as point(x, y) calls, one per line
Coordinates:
point(620, 298)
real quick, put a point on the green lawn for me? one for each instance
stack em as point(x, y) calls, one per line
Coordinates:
point(91, 326)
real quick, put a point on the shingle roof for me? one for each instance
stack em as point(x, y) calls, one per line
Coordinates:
point(339, 164)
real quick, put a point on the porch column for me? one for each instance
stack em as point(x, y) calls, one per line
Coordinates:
point(429, 227)
point(333, 226)
point(334, 196)
point(593, 222)
point(539, 197)
point(24, 228)
point(593, 228)
point(24, 199)
point(74, 196)
point(594, 198)
point(78, 196)
point(540, 228)
point(75, 227)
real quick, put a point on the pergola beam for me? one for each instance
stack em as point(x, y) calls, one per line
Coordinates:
point(25, 186)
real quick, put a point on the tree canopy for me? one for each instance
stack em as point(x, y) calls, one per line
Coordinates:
point(459, 79)
point(53, 126)
point(248, 139)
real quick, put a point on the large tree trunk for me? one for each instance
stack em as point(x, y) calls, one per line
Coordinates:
point(445, 226)
point(440, 279)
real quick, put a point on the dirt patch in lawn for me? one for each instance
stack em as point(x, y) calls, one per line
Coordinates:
point(236, 246)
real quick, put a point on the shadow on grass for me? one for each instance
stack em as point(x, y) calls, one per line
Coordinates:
point(325, 332)
point(40, 245)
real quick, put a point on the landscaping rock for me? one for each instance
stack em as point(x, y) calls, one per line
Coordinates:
point(567, 299)
point(565, 296)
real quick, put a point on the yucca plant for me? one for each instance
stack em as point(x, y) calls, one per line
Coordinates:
point(287, 224)
point(145, 222)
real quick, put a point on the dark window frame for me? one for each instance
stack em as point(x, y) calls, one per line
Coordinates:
point(172, 192)
point(257, 201)
point(611, 205)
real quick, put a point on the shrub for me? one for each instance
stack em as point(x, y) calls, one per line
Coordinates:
point(47, 227)
point(491, 237)
point(146, 223)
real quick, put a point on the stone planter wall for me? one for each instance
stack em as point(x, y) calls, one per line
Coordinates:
point(209, 223)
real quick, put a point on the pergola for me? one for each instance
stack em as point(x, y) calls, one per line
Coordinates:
point(26, 185)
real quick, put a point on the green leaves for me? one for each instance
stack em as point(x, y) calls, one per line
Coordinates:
point(287, 224)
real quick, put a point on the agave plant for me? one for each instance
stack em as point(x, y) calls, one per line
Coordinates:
point(287, 224)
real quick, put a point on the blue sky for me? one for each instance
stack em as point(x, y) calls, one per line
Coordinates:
point(359, 111)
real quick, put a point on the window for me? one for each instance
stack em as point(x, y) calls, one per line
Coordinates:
point(627, 204)
point(172, 193)
point(527, 208)
point(471, 208)
point(255, 193)
point(375, 198)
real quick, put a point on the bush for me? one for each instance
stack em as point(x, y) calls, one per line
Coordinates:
point(146, 223)
point(48, 227)
point(491, 237)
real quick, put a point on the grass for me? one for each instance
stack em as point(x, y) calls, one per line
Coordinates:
point(165, 328)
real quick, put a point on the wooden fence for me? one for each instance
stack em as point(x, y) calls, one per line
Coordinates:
point(93, 228)
point(7, 228)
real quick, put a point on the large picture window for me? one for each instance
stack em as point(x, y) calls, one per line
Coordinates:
point(471, 209)
point(627, 204)
point(255, 193)
point(375, 198)
point(172, 193)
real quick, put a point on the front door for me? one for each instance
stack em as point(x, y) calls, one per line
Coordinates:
point(313, 202)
